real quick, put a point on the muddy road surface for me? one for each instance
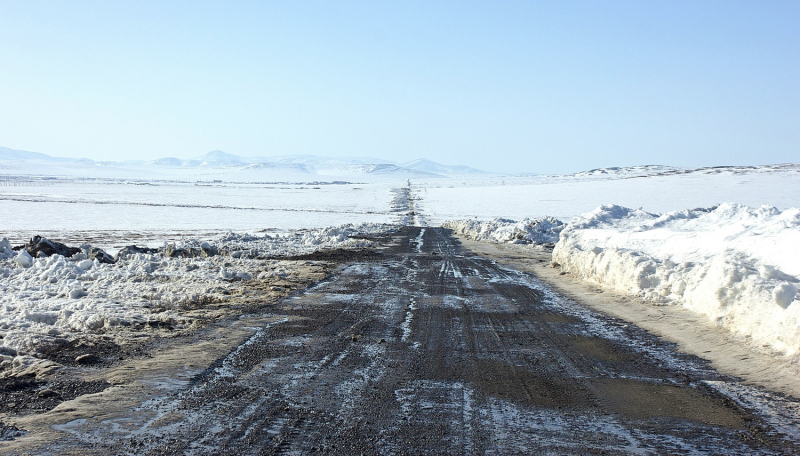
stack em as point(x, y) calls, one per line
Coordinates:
point(424, 348)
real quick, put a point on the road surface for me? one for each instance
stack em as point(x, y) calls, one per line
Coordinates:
point(423, 347)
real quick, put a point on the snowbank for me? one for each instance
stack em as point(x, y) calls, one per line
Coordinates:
point(5, 250)
point(53, 298)
point(527, 231)
point(737, 265)
point(299, 242)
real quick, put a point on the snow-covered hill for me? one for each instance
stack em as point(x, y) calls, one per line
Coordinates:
point(428, 166)
point(11, 154)
point(630, 172)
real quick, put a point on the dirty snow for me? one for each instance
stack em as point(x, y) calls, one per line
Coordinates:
point(52, 299)
point(733, 263)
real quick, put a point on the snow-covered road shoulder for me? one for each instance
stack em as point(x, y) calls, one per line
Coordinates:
point(735, 264)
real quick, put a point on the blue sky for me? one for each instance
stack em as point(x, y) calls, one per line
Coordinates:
point(503, 86)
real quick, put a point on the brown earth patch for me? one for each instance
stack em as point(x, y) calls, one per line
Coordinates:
point(503, 380)
point(641, 400)
point(600, 349)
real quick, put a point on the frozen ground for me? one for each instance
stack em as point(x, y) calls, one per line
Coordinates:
point(418, 348)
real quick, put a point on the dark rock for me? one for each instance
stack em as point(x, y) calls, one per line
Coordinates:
point(100, 255)
point(46, 393)
point(132, 250)
point(160, 324)
point(170, 251)
point(47, 247)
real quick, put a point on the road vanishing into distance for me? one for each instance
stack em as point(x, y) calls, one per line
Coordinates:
point(424, 348)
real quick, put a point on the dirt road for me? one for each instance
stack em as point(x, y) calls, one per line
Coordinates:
point(425, 348)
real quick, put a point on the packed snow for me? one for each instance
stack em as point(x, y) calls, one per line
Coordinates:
point(526, 231)
point(735, 264)
point(49, 299)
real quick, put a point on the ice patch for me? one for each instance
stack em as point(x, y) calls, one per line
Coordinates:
point(406, 325)
point(418, 240)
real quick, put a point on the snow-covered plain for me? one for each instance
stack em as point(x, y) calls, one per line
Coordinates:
point(57, 205)
point(655, 189)
point(114, 211)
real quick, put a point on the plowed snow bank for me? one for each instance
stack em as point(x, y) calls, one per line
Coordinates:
point(526, 231)
point(735, 264)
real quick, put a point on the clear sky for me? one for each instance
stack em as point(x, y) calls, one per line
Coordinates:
point(504, 86)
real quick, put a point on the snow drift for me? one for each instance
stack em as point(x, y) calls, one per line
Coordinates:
point(735, 264)
point(526, 231)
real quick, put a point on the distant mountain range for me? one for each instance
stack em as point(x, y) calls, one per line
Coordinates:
point(218, 161)
point(294, 163)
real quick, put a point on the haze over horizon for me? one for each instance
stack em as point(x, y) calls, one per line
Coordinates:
point(507, 87)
